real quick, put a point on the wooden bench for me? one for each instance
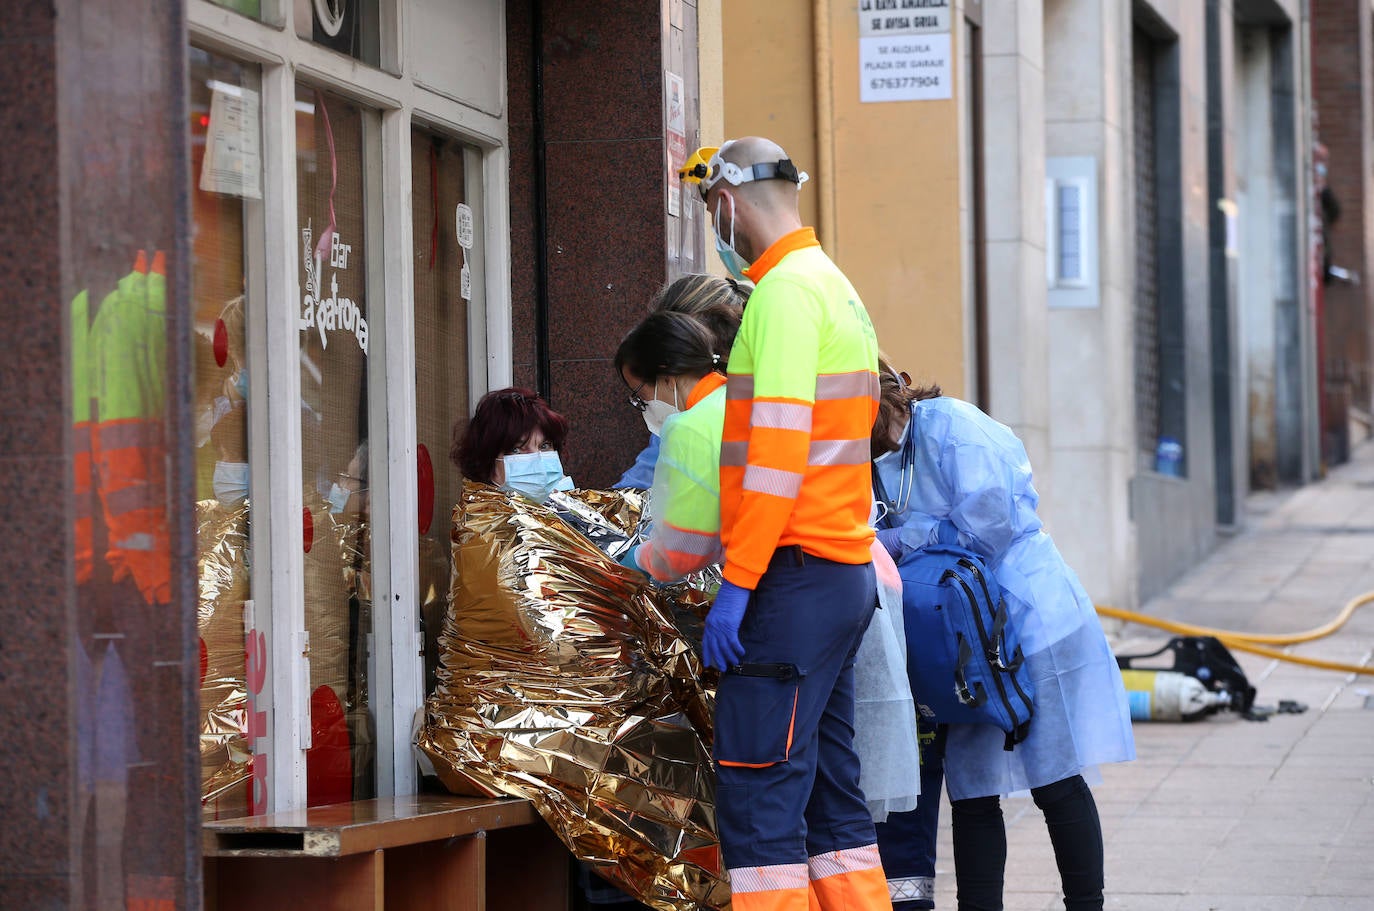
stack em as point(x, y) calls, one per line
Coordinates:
point(418, 853)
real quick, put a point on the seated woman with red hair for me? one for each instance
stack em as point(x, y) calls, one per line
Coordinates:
point(512, 442)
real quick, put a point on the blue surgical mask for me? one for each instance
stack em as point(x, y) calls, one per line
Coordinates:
point(231, 482)
point(734, 263)
point(241, 383)
point(338, 498)
point(535, 474)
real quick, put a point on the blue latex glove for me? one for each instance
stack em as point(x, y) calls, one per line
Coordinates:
point(631, 559)
point(720, 643)
point(891, 540)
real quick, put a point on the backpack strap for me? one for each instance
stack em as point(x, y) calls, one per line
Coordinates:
point(1016, 735)
point(973, 698)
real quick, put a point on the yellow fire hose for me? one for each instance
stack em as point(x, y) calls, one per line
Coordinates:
point(1256, 644)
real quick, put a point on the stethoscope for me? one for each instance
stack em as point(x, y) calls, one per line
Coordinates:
point(906, 473)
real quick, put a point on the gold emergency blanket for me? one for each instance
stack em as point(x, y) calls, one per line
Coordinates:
point(225, 757)
point(338, 610)
point(565, 679)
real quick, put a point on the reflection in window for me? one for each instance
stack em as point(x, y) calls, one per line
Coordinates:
point(250, 8)
point(330, 165)
point(351, 27)
point(445, 247)
point(224, 134)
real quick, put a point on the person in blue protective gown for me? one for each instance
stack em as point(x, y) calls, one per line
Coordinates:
point(939, 458)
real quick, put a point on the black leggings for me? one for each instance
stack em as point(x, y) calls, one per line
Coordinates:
point(980, 846)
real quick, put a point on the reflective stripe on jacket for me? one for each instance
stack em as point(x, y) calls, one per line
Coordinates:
point(800, 404)
point(686, 492)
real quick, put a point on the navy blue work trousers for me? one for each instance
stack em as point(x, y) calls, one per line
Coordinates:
point(906, 841)
point(787, 774)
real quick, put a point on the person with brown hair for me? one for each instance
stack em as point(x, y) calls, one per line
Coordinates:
point(675, 371)
point(718, 303)
point(936, 460)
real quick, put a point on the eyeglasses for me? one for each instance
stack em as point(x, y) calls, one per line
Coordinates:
point(636, 402)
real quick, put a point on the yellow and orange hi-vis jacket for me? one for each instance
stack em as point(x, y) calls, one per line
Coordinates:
point(800, 403)
point(128, 356)
point(686, 493)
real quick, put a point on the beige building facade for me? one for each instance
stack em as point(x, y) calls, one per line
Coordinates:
point(1098, 233)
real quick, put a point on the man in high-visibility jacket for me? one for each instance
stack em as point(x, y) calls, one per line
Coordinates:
point(128, 354)
point(799, 589)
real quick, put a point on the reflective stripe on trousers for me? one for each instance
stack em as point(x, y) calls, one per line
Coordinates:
point(793, 823)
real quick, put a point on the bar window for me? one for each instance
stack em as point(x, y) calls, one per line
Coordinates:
point(445, 250)
point(351, 27)
point(250, 8)
point(224, 133)
point(331, 247)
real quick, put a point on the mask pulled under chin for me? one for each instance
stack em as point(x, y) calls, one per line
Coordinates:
point(729, 256)
point(535, 475)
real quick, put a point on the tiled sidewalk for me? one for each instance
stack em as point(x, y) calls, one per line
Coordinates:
point(1233, 815)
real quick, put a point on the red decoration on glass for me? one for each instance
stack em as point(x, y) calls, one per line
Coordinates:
point(329, 761)
point(426, 479)
point(221, 343)
point(204, 662)
point(308, 528)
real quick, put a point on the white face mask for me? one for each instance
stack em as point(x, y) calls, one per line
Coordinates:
point(656, 412)
point(901, 443)
point(231, 482)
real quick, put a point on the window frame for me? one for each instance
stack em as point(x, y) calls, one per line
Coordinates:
point(396, 101)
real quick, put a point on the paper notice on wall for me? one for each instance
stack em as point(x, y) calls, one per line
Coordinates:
point(904, 50)
point(903, 17)
point(233, 144)
point(674, 191)
point(904, 68)
point(675, 109)
point(462, 217)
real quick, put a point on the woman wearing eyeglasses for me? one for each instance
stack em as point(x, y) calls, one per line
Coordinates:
point(674, 365)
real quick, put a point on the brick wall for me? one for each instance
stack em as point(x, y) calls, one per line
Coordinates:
point(1341, 72)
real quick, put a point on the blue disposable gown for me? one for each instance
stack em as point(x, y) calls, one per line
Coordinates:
point(957, 463)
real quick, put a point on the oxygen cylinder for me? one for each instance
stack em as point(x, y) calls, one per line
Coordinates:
point(1169, 696)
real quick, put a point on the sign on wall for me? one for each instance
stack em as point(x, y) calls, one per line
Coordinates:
point(904, 50)
point(675, 104)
